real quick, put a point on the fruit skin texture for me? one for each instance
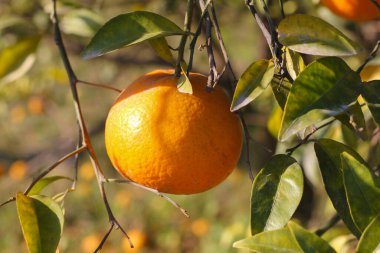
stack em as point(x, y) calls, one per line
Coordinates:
point(355, 10)
point(171, 141)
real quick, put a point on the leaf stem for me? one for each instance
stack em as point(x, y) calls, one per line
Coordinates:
point(99, 85)
point(370, 57)
point(334, 220)
point(182, 44)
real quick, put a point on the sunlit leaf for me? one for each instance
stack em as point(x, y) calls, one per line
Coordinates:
point(41, 221)
point(291, 239)
point(362, 190)
point(252, 83)
point(81, 22)
point(294, 63)
point(17, 59)
point(325, 88)
point(371, 93)
point(328, 153)
point(370, 240)
point(161, 47)
point(129, 29)
point(274, 122)
point(41, 184)
point(311, 35)
point(276, 193)
point(183, 83)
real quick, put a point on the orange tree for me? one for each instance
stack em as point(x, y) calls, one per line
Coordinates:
point(169, 120)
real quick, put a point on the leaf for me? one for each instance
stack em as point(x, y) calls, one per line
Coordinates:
point(328, 153)
point(371, 93)
point(276, 193)
point(17, 59)
point(281, 89)
point(291, 239)
point(370, 240)
point(81, 22)
point(354, 119)
point(129, 29)
point(274, 122)
point(184, 84)
point(309, 242)
point(41, 184)
point(294, 63)
point(362, 190)
point(327, 86)
point(161, 47)
point(252, 83)
point(41, 221)
point(311, 35)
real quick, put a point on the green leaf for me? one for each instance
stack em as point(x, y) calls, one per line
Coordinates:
point(354, 119)
point(41, 184)
point(17, 59)
point(294, 63)
point(129, 29)
point(41, 221)
point(81, 22)
point(309, 242)
point(326, 87)
point(311, 35)
point(281, 89)
point(276, 193)
point(371, 93)
point(328, 153)
point(161, 47)
point(291, 239)
point(252, 83)
point(370, 240)
point(183, 83)
point(274, 122)
point(362, 190)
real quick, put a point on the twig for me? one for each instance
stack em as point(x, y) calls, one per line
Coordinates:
point(334, 220)
point(370, 57)
point(376, 4)
point(307, 137)
point(100, 86)
point(76, 161)
point(213, 75)
point(84, 132)
point(45, 172)
point(247, 149)
point(127, 181)
point(182, 44)
point(282, 8)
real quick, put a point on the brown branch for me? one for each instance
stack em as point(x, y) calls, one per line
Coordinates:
point(100, 85)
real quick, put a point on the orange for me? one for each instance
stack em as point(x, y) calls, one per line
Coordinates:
point(355, 10)
point(171, 141)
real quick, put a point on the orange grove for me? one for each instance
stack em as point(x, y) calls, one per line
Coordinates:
point(171, 141)
point(355, 10)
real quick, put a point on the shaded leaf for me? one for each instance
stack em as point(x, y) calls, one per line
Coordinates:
point(81, 22)
point(41, 184)
point(354, 119)
point(294, 63)
point(281, 89)
point(328, 153)
point(327, 86)
point(276, 193)
point(371, 93)
point(252, 83)
point(370, 240)
point(362, 190)
point(129, 29)
point(291, 239)
point(17, 59)
point(41, 221)
point(161, 47)
point(311, 35)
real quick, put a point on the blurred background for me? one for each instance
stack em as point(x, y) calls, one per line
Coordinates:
point(38, 126)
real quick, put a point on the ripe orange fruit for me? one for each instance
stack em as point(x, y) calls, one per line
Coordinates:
point(171, 141)
point(355, 10)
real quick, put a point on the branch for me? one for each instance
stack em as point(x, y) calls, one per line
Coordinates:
point(334, 220)
point(376, 4)
point(182, 44)
point(370, 57)
point(307, 137)
point(127, 181)
point(100, 85)
point(213, 75)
